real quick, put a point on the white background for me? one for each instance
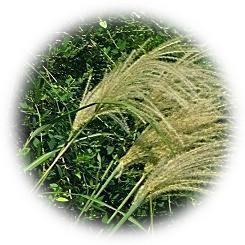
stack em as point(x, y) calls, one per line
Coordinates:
point(25, 27)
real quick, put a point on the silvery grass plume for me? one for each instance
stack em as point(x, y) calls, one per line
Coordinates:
point(171, 70)
point(199, 124)
point(195, 125)
point(203, 128)
point(189, 90)
point(170, 74)
point(190, 171)
point(173, 85)
point(131, 86)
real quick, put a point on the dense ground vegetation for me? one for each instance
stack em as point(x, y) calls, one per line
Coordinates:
point(64, 75)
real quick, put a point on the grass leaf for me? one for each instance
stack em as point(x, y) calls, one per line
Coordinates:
point(41, 160)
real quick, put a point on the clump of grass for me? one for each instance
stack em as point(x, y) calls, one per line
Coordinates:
point(155, 117)
point(191, 169)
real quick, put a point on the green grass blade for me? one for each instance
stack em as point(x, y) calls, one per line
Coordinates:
point(126, 217)
point(42, 159)
point(95, 190)
point(61, 152)
point(94, 200)
point(131, 219)
point(35, 133)
point(127, 197)
point(89, 203)
point(151, 214)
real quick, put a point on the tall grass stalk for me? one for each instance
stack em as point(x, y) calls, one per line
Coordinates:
point(131, 210)
point(127, 198)
point(151, 214)
point(90, 202)
point(61, 152)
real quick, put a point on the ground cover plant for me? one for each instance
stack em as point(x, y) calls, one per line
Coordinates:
point(123, 121)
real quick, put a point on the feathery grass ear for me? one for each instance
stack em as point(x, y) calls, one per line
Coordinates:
point(202, 127)
point(144, 86)
point(137, 81)
point(196, 125)
point(191, 171)
point(129, 81)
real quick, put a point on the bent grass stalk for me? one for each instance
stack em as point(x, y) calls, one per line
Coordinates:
point(95, 190)
point(90, 202)
point(118, 169)
point(133, 207)
point(131, 219)
point(51, 123)
point(72, 137)
point(126, 198)
point(40, 160)
point(62, 151)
